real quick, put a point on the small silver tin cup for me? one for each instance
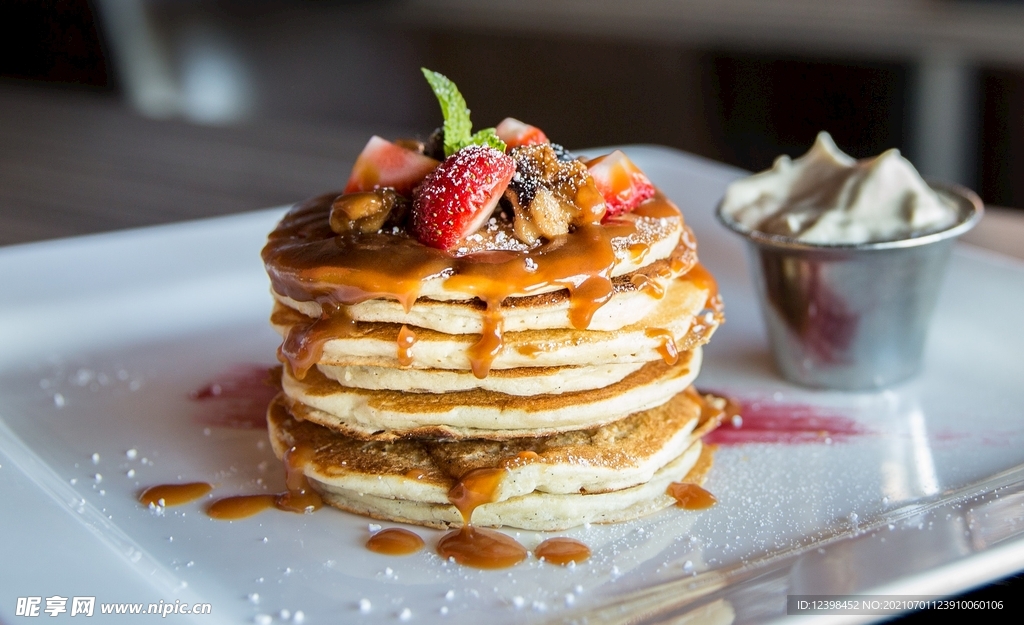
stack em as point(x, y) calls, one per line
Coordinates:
point(852, 316)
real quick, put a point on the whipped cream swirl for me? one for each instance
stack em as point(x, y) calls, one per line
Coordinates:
point(828, 197)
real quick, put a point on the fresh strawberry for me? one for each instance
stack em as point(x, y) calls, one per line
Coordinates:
point(458, 197)
point(515, 133)
point(384, 164)
point(620, 182)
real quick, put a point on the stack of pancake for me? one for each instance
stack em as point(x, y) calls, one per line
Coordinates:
point(566, 366)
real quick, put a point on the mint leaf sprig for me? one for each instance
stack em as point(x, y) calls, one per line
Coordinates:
point(458, 129)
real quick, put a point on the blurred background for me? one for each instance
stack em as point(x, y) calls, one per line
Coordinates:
point(123, 113)
point(116, 113)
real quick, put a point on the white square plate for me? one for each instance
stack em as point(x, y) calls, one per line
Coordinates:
point(913, 490)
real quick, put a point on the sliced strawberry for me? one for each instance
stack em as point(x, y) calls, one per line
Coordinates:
point(458, 197)
point(620, 182)
point(515, 133)
point(384, 164)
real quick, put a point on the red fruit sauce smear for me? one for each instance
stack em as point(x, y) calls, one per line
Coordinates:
point(238, 397)
point(768, 421)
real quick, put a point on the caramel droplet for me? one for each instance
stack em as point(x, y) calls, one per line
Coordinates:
point(690, 496)
point(395, 541)
point(562, 551)
point(174, 494)
point(481, 548)
point(240, 507)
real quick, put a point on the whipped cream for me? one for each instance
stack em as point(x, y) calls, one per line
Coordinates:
point(826, 196)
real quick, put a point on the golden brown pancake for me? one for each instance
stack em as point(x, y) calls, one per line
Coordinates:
point(680, 320)
point(635, 295)
point(476, 413)
point(562, 366)
point(606, 474)
point(524, 381)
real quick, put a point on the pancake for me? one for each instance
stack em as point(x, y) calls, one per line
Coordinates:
point(606, 474)
point(307, 261)
point(635, 296)
point(388, 414)
point(524, 382)
point(536, 351)
point(680, 321)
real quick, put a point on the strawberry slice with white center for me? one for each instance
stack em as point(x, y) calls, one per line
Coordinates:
point(457, 198)
point(516, 133)
point(620, 182)
point(384, 164)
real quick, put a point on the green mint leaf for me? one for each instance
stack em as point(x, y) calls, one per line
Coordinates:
point(457, 126)
point(488, 137)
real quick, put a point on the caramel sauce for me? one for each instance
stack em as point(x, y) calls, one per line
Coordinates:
point(239, 507)
point(481, 548)
point(406, 339)
point(307, 261)
point(395, 542)
point(415, 474)
point(648, 286)
point(483, 352)
point(523, 457)
point(174, 494)
point(687, 492)
point(304, 345)
point(299, 496)
point(473, 546)
point(668, 349)
point(700, 469)
point(690, 496)
point(474, 489)
point(585, 299)
point(701, 278)
point(562, 551)
point(638, 251)
point(530, 350)
point(708, 411)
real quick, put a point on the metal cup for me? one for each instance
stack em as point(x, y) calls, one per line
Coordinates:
point(852, 316)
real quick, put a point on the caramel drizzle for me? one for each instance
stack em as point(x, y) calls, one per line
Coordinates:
point(306, 261)
point(299, 496)
point(492, 341)
point(645, 284)
point(687, 492)
point(474, 489)
point(406, 339)
point(473, 546)
point(700, 277)
point(304, 345)
point(668, 350)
